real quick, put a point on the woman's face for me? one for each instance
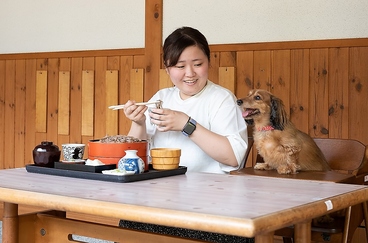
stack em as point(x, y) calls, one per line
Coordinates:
point(190, 74)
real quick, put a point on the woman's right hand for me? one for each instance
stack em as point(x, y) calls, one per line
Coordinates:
point(134, 112)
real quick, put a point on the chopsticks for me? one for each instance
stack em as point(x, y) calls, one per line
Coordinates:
point(158, 104)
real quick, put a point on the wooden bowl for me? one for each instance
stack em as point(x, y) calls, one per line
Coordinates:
point(165, 158)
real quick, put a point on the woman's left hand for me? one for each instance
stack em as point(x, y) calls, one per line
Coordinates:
point(168, 120)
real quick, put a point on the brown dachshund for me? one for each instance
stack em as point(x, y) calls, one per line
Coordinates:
point(282, 146)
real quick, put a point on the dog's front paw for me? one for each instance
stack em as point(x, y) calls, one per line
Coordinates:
point(288, 169)
point(285, 170)
point(262, 166)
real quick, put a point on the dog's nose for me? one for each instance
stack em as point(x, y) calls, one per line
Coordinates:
point(239, 102)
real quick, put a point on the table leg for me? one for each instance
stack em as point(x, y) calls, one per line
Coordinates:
point(266, 238)
point(365, 213)
point(303, 232)
point(10, 223)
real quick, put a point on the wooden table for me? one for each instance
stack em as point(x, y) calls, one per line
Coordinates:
point(357, 213)
point(247, 206)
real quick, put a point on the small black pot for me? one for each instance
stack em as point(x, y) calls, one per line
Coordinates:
point(46, 154)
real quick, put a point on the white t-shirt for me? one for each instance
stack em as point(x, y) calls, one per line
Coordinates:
point(214, 108)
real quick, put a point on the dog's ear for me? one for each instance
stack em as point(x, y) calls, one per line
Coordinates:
point(278, 114)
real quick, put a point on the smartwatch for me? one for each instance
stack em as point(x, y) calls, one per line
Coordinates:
point(189, 127)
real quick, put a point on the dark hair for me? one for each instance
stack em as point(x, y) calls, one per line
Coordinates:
point(180, 39)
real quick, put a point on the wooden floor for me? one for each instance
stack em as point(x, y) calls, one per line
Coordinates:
point(359, 236)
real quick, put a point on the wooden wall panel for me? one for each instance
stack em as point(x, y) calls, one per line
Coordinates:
point(164, 80)
point(358, 93)
point(75, 135)
point(88, 116)
point(227, 78)
point(280, 76)
point(262, 70)
point(2, 112)
point(52, 99)
point(111, 97)
point(113, 63)
point(100, 101)
point(136, 85)
point(138, 62)
point(244, 73)
point(227, 59)
point(323, 86)
point(42, 64)
point(41, 101)
point(338, 90)
point(9, 111)
point(64, 69)
point(318, 100)
point(41, 67)
point(88, 100)
point(126, 64)
point(214, 67)
point(64, 103)
point(30, 110)
point(299, 86)
point(19, 106)
point(64, 64)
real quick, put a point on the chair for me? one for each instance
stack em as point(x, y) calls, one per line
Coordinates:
point(344, 156)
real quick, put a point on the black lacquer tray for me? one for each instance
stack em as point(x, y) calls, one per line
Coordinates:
point(82, 167)
point(151, 174)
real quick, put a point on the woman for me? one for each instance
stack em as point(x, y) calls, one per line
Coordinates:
point(198, 116)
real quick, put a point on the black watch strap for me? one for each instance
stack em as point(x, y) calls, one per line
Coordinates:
point(189, 127)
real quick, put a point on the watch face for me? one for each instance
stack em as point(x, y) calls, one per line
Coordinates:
point(189, 128)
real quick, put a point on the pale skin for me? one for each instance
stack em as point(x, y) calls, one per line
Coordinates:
point(190, 76)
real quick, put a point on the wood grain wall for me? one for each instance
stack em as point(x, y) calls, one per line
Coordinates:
point(63, 97)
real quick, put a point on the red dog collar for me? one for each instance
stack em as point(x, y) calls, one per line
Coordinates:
point(266, 128)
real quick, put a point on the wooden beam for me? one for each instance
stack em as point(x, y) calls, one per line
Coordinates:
point(153, 46)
